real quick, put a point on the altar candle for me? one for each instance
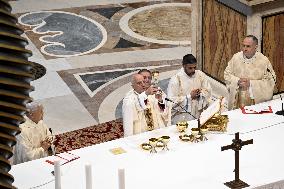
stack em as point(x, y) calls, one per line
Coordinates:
point(88, 169)
point(121, 179)
point(57, 175)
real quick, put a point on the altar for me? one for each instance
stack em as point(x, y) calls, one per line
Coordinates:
point(186, 165)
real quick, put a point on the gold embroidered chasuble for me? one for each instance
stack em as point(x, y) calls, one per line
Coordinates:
point(139, 116)
point(260, 72)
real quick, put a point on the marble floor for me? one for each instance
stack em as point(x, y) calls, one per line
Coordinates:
point(90, 49)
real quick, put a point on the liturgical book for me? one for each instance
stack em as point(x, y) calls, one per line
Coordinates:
point(63, 158)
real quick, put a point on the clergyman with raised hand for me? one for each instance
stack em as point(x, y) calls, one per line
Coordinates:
point(142, 109)
point(249, 76)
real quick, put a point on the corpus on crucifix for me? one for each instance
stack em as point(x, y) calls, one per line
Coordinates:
point(237, 146)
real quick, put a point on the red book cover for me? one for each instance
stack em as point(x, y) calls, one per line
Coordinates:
point(251, 110)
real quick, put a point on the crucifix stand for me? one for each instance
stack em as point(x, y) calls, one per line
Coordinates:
point(237, 146)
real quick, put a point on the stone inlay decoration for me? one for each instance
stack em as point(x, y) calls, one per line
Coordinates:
point(166, 23)
point(65, 34)
point(92, 82)
point(96, 29)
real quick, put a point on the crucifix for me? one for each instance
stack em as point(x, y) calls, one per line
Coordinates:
point(237, 146)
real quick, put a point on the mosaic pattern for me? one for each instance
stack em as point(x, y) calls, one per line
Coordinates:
point(167, 23)
point(157, 25)
point(65, 34)
point(97, 29)
point(93, 81)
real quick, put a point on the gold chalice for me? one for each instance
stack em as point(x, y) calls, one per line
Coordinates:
point(195, 132)
point(160, 143)
point(203, 131)
point(155, 81)
point(182, 126)
point(146, 146)
point(153, 143)
point(155, 77)
point(165, 140)
point(185, 137)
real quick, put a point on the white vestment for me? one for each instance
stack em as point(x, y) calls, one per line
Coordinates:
point(260, 72)
point(179, 89)
point(29, 140)
point(133, 112)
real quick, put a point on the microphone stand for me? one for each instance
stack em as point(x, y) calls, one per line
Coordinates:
point(280, 112)
point(167, 99)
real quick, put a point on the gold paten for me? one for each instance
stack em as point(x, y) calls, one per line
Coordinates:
point(117, 151)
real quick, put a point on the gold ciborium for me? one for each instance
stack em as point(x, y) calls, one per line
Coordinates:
point(195, 135)
point(203, 131)
point(165, 140)
point(153, 143)
point(182, 126)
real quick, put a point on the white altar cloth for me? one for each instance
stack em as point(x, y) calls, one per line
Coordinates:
point(187, 165)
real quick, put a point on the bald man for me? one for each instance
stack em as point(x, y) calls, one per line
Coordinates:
point(35, 138)
point(142, 110)
point(249, 76)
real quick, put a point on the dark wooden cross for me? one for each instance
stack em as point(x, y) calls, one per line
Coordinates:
point(237, 146)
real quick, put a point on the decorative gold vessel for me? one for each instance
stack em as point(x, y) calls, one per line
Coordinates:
point(203, 131)
point(154, 144)
point(146, 146)
point(195, 135)
point(182, 126)
point(217, 123)
point(185, 137)
point(165, 140)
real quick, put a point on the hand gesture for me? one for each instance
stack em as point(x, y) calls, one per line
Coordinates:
point(46, 143)
point(195, 93)
point(151, 90)
point(159, 95)
point(244, 83)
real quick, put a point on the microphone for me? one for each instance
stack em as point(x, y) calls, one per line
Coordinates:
point(167, 99)
point(280, 112)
